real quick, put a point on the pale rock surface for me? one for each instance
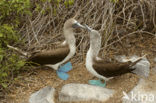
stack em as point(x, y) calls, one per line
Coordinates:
point(83, 92)
point(143, 67)
point(154, 68)
point(155, 59)
point(144, 92)
point(44, 95)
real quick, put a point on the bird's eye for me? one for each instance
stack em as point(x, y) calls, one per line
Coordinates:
point(78, 25)
point(75, 25)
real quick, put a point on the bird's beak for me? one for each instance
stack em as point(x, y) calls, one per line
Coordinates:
point(78, 25)
point(88, 28)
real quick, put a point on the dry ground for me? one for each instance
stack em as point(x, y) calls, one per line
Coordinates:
point(36, 79)
point(40, 78)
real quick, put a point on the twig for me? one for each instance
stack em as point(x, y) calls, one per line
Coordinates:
point(18, 50)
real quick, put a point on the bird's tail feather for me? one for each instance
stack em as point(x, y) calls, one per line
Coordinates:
point(135, 62)
point(138, 60)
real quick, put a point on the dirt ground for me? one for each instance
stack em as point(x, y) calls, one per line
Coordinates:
point(29, 82)
point(40, 78)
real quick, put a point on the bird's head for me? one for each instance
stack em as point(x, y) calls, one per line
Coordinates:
point(93, 33)
point(72, 24)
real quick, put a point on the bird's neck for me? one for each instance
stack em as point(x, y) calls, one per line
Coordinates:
point(95, 45)
point(92, 54)
point(69, 37)
point(70, 40)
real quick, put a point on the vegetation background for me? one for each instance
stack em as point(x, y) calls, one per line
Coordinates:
point(33, 24)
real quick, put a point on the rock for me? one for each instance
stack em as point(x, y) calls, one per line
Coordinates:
point(121, 58)
point(83, 92)
point(44, 95)
point(144, 92)
point(155, 59)
point(154, 69)
point(142, 67)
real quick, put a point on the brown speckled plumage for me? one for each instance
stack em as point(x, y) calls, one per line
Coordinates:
point(109, 69)
point(52, 56)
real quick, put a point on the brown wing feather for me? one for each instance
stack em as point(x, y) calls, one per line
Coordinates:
point(50, 57)
point(111, 69)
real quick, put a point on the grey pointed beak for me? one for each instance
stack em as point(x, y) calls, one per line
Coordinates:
point(78, 25)
point(88, 28)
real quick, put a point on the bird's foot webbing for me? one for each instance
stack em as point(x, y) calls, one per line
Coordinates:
point(62, 71)
point(97, 83)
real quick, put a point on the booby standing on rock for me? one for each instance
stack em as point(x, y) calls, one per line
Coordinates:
point(56, 57)
point(98, 67)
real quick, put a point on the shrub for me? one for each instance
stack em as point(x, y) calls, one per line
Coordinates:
point(11, 13)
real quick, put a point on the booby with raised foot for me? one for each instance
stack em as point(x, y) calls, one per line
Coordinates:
point(99, 67)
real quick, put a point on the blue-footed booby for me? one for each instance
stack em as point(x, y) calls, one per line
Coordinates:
point(99, 67)
point(58, 56)
point(54, 58)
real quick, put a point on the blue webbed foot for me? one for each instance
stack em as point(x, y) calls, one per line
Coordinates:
point(62, 71)
point(97, 83)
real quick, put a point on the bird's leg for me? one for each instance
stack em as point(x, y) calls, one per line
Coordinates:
point(103, 81)
point(55, 67)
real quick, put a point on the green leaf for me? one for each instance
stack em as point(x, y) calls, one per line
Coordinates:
point(38, 7)
point(54, 11)
point(71, 2)
point(58, 1)
point(4, 74)
point(1, 50)
point(20, 63)
point(66, 3)
point(4, 85)
point(15, 79)
point(1, 35)
point(1, 57)
point(49, 0)
point(114, 1)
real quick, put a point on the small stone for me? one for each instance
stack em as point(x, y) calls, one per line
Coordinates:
point(44, 95)
point(83, 92)
point(144, 92)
